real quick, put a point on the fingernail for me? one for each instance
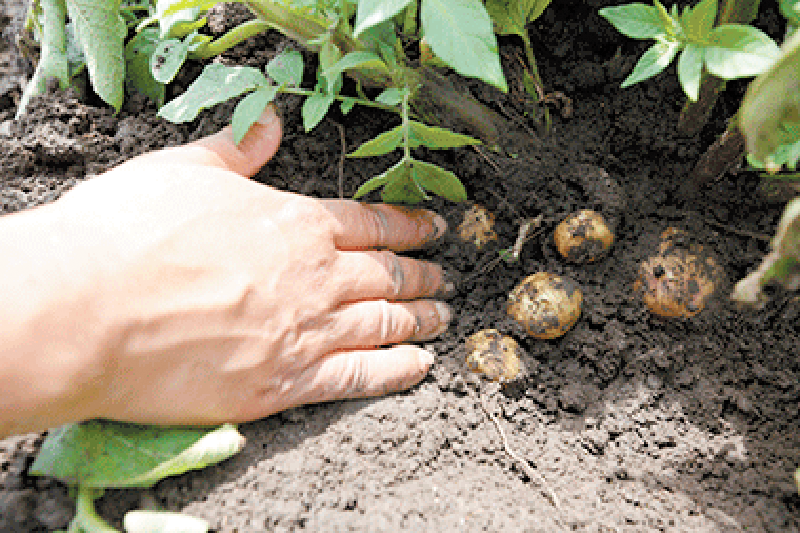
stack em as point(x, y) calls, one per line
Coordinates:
point(425, 358)
point(449, 286)
point(269, 116)
point(439, 227)
point(445, 315)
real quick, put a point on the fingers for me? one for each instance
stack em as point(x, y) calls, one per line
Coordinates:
point(379, 323)
point(219, 150)
point(366, 373)
point(365, 226)
point(371, 275)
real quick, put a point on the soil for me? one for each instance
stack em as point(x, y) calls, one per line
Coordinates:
point(629, 422)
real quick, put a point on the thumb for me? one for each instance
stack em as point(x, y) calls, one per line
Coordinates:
point(219, 150)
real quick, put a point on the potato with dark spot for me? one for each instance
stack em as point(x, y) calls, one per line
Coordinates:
point(545, 305)
point(583, 237)
point(493, 355)
point(678, 282)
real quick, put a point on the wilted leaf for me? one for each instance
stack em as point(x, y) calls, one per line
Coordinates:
point(102, 453)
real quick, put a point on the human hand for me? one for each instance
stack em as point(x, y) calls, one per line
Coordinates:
point(222, 299)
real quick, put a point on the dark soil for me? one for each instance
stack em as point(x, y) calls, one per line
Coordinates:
point(629, 422)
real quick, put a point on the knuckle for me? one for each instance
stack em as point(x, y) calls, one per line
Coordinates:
point(393, 324)
point(355, 377)
point(394, 268)
point(376, 225)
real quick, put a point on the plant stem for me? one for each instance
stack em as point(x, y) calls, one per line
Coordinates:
point(433, 97)
point(406, 130)
point(243, 31)
point(718, 159)
point(85, 514)
point(360, 101)
point(53, 59)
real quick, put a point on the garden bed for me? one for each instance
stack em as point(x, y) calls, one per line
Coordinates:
point(629, 422)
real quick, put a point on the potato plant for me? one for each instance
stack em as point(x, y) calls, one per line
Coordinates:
point(365, 40)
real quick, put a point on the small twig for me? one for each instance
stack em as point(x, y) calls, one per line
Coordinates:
point(528, 229)
point(486, 158)
point(523, 463)
point(341, 159)
point(740, 232)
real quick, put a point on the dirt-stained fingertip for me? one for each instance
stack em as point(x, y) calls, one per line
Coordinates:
point(425, 359)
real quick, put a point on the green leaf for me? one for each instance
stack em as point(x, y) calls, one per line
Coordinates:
point(398, 172)
point(739, 51)
point(700, 20)
point(511, 16)
point(460, 34)
point(202, 5)
point(637, 21)
point(372, 12)
point(103, 453)
point(439, 181)
point(75, 58)
point(180, 21)
point(353, 60)
point(403, 190)
point(138, 76)
point(101, 32)
point(162, 522)
point(167, 59)
point(372, 184)
point(790, 9)
point(216, 84)
point(772, 100)
point(286, 68)
point(314, 109)
point(652, 62)
point(328, 55)
point(347, 105)
point(690, 70)
point(249, 109)
point(386, 142)
point(437, 138)
point(391, 96)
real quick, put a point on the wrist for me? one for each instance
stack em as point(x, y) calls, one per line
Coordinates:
point(51, 359)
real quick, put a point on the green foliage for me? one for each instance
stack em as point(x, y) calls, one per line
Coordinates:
point(359, 39)
point(728, 51)
point(100, 32)
point(770, 113)
point(101, 454)
point(460, 33)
